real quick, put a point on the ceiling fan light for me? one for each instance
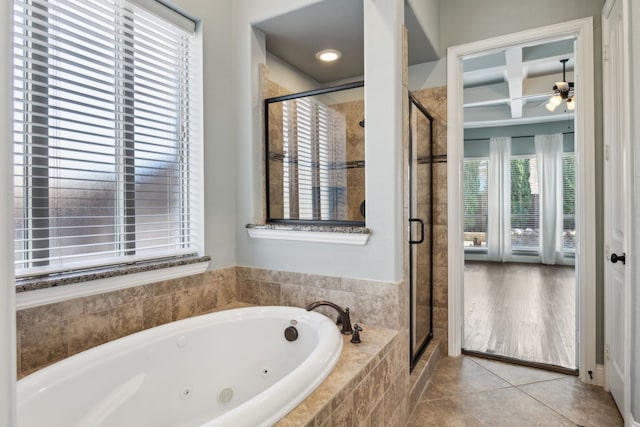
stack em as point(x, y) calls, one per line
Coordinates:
point(550, 106)
point(555, 100)
point(571, 104)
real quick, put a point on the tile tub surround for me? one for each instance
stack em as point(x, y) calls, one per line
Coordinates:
point(366, 387)
point(52, 332)
point(371, 302)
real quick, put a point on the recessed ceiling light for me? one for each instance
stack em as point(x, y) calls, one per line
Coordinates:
point(328, 55)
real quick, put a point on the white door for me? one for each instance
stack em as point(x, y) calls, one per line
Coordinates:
point(617, 200)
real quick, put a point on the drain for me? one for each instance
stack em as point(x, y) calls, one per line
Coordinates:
point(291, 333)
point(225, 395)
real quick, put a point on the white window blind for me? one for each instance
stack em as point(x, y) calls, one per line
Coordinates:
point(569, 201)
point(314, 165)
point(476, 203)
point(103, 135)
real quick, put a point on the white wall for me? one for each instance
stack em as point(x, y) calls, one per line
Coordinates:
point(464, 21)
point(380, 259)
point(220, 189)
point(428, 75)
point(7, 290)
point(288, 77)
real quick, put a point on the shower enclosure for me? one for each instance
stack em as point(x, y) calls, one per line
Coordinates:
point(420, 223)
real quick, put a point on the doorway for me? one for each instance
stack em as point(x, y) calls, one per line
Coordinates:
point(581, 31)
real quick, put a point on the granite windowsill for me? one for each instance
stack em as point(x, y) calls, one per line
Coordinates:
point(310, 233)
point(53, 288)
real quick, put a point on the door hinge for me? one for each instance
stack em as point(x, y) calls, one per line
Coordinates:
point(607, 354)
point(606, 151)
point(605, 52)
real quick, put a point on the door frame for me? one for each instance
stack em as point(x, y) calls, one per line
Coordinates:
point(582, 30)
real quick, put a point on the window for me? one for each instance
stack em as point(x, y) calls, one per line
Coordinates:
point(104, 134)
point(525, 206)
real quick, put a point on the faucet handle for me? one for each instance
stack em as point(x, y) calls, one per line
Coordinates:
point(339, 318)
point(356, 334)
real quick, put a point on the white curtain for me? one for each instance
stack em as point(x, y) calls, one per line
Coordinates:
point(549, 159)
point(499, 226)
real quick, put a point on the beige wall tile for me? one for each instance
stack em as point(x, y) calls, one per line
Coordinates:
point(88, 331)
point(125, 320)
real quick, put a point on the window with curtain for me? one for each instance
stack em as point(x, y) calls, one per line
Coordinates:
point(507, 204)
point(104, 134)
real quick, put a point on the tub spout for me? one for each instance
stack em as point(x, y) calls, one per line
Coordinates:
point(344, 314)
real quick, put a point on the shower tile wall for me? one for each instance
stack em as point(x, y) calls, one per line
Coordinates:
point(275, 145)
point(354, 112)
point(435, 100)
point(52, 332)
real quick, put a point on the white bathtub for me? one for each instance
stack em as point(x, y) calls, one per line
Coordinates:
point(231, 368)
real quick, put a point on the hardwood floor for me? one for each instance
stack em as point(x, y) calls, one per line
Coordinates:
point(521, 311)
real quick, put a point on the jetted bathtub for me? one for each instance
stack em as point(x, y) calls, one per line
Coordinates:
point(232, 368)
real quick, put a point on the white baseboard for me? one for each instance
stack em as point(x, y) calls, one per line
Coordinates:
point(598, 378)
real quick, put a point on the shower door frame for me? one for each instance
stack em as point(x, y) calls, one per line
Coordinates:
point(416, 350)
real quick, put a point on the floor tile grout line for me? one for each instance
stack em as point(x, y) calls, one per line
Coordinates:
point(549, 407)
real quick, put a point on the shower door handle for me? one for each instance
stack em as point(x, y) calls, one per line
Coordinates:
point(411, 221)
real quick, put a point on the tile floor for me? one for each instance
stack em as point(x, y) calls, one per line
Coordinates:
point(469, 392)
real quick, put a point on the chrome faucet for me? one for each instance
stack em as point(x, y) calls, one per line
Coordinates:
point(343, 315)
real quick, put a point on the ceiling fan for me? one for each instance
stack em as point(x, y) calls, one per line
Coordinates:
point(563, 90)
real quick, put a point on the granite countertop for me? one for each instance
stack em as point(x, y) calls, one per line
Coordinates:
point(314, 228)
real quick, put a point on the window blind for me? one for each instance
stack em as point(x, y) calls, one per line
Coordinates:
point(569, 201)
point(476, 202)
point(314, 166)
point(103, 135)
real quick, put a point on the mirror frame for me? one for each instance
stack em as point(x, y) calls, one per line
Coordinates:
point(582, 31)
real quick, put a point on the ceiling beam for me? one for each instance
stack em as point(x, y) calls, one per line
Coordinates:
point(515, 74)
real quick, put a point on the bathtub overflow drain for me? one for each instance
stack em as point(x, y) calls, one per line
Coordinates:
point(226, 394)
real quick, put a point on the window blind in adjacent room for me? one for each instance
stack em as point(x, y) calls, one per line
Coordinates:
point(103, 134)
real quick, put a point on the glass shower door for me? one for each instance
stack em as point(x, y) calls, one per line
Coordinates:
point(420, 228)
